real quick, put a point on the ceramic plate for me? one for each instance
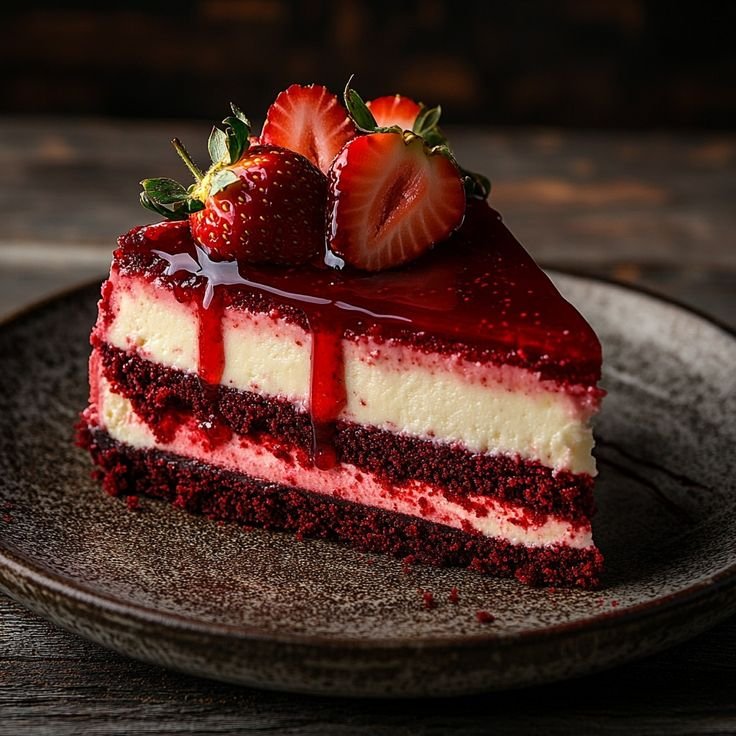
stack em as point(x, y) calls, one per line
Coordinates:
point(265, 609)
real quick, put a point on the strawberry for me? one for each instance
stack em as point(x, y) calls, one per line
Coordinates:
point(390, 199)
point(309, 120)
point(273, 211)
point(394, 110)
point(256, 203)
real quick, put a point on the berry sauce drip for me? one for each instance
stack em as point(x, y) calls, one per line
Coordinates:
point(327, 391)
point(478, 294)
point(211, 344)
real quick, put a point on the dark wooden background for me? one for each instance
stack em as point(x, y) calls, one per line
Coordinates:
point(580, 63)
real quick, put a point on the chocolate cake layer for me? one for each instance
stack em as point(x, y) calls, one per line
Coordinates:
point(228, 496)
point(159, 393)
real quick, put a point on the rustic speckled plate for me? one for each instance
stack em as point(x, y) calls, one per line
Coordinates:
point(265, 609)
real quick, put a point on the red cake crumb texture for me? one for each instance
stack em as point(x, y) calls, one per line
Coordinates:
point(484, 617)
point(454, 596)
point(428, 600)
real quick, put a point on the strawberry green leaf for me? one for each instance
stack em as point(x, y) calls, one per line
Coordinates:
point(427, 121)
point(476, 185)
point(193, 205)
point(435, 137)
point(221, 179)
point(164, 191)
point(217, 145)
point(358, 110)
point(240, 114)
point(236, 133)
point(389, 129)
point(168, 213)
point(444, 150)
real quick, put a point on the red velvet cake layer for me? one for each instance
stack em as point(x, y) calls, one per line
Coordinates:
point(224, 495)
point(159, 393)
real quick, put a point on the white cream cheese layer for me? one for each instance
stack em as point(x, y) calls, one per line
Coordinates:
point(391, 386)
point(116, 416)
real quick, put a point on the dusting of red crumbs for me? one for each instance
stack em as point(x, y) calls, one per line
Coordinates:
point(133, 503)
point(484, 617)
point(7, 518)
point(406, 564)
point(454, 596)
point(614, 603)
point(428, 599)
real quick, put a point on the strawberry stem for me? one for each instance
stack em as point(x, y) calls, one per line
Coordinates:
point(197, 173)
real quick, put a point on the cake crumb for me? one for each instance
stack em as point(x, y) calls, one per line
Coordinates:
point(428, 599)
point(614, 604)
point(7, 518)
point(406, 564)
point(454, 596)
point(484, 617)
point(133, 503)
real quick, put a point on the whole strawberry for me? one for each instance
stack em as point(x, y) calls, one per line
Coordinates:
point(259, 204)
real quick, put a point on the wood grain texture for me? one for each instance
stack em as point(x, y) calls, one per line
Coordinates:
point(654, 210)
point(56, 683)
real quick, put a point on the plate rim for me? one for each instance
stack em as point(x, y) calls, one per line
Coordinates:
point(44, 580)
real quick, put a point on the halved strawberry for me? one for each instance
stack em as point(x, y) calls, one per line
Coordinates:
point(309, 120)
point(390, 199)
point(394, 110)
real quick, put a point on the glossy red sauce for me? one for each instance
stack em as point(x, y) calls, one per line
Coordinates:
point(478, 293)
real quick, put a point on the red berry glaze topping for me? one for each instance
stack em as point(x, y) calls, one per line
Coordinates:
point(390, 199)
point(309, 120)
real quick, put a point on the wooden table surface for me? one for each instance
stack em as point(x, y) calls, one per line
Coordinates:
point(658, 210)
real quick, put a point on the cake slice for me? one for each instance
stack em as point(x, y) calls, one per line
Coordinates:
point(437, 409)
